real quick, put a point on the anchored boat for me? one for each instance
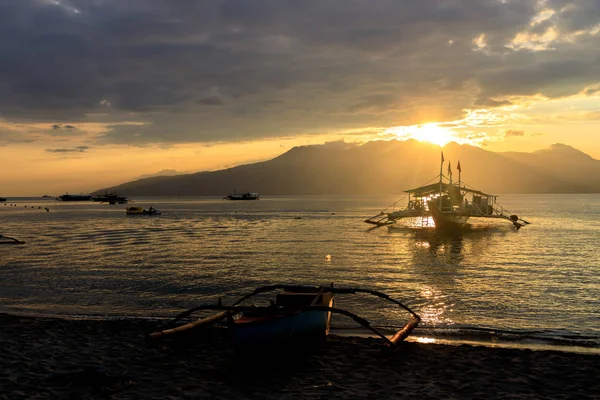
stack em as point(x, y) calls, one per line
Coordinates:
point(299, 315)
point(141, 211)
point(242, 196)
point(110, 198)
point(75, 197)
point(449, 205)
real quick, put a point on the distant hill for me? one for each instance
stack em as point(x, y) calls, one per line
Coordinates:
point(164, 172)
point(384, 167)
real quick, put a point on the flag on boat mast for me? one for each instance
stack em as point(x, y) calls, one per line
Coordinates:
point(442, 156)
point(449, 168)
point(459, 171)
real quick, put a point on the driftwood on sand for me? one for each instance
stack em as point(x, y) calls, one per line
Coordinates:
point(9, 240)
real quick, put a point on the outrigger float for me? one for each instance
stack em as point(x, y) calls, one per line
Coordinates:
point(447, 204)
point(300, 316)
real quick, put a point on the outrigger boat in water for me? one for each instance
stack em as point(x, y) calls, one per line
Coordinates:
point(242, 196)
point(110, 198)
point(449, 205)
point(299, 316)
point(142, 211)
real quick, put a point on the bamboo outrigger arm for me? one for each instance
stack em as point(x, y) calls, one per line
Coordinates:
point(208, 321)
point(298, 288)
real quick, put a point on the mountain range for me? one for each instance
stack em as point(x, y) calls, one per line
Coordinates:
point(384, 167)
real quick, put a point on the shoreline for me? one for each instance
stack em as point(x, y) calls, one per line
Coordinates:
point(75, 358)
point(491, 340)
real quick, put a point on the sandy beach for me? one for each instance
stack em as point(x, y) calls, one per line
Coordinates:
point(45, 358)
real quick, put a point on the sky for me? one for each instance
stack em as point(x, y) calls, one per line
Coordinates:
point(95, 93)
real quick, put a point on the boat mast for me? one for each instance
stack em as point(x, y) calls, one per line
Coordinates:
point(441, 175)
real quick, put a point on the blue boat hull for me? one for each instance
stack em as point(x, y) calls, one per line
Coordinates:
point(282, 328)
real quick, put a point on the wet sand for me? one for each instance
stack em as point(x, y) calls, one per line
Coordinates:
point(45, 358)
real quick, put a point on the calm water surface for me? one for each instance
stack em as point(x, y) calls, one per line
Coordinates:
point(540, 284)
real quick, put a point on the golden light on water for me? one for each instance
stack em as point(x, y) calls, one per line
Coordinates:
point(434, 312)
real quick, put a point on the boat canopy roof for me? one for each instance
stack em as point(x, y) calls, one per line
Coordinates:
point(434, 188)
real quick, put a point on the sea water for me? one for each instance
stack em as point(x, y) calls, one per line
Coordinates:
point(489, 283)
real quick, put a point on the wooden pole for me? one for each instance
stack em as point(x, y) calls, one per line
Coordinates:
point(406, 330)
point(192, 325)
point(441, 175)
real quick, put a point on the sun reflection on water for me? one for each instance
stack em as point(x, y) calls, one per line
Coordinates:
point(425, 340)
point(434, 311)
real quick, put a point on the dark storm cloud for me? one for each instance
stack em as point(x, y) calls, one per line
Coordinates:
point(236, 69)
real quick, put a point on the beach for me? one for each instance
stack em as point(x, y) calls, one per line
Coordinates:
point(50, 358)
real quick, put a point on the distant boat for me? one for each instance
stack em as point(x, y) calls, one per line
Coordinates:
point(141, 211)
point(242, 196)
point(75, 197)
point(450, 205)
point(110, 198)
point(46, 196)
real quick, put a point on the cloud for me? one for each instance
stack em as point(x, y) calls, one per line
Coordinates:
point(234, 70)
point(492, 103)
point(514, 132)
point(211, 101)
point(58, 126)
point(78, 149)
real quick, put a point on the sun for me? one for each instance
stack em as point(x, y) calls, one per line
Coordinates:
point(431, 133)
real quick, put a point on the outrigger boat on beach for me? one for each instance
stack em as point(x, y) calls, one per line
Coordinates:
point(299, 316)
point(449, 205)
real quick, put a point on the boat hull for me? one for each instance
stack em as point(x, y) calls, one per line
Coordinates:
point(75, 197)
point(141, 211)
point(243, 196)
point(446, 220)
point(282, 327)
